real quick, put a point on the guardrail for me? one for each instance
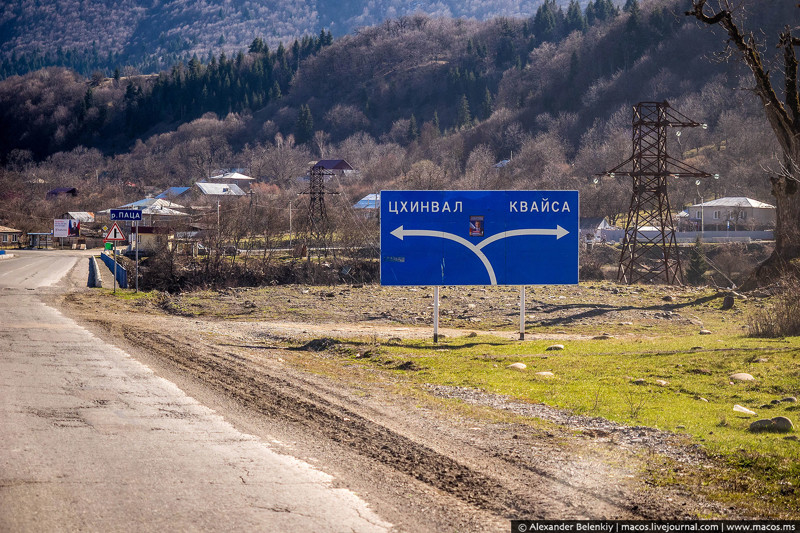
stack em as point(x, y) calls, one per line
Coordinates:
point(122, 274)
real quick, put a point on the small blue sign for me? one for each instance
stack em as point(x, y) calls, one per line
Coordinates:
point(125, 214)
point(479, 237)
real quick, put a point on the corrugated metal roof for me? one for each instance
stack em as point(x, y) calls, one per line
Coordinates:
point(4, 229)
point(220, 189)
point(231, 176)
point(735, 201)
point(164, 211)
point(83, 216)
point(370, 201)
point(149, 202)
point(172, 192)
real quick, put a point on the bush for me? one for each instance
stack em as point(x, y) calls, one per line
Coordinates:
point(782, 318)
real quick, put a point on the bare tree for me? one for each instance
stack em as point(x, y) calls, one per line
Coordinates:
point(783, 117)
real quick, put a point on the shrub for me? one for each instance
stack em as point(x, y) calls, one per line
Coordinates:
point(782, 318)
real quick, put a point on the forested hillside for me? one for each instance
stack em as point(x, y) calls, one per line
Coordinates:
point(417, 102)
point(148, 36)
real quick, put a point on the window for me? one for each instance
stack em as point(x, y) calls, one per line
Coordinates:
point(716, 215)
point(15, 238)
point(743, 215)
point(699, 214)
point(5, 238)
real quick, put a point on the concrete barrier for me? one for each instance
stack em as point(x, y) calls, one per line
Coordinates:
point(95, 278)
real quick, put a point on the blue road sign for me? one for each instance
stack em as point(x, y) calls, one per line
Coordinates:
point(479, 237)
point(125, 214)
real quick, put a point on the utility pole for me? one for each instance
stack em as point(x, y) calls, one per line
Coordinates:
point(652, 258)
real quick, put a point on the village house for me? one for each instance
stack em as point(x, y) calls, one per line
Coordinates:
point(732, 213)
point(10, 238)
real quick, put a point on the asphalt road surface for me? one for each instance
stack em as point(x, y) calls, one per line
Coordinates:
point(92, 440)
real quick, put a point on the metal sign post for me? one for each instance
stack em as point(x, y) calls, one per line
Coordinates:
point(114, 234)
point(522, 312)
point(439, 238)
point(114, 257)
point(436, 314)
point(137, 256)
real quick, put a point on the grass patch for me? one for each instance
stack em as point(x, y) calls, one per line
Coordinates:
point(680, 384)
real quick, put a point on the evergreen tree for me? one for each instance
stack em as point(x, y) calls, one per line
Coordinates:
point(487, 106)
point(545, 22)
point(413, 130)
point(436, 123)
point(696, 272)
point(575, 20)
point(304, 128)
point(464, 119)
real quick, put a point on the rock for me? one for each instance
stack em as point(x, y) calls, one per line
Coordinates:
point(703, 399)
point(789, 399)
point(742, 376)
point(779, 424)
point(761, 425)
point(739, 409)
point(668, 298)
point(471, 306)
point(792, 437)
point(555, 347)
point(782, 424)
point(639, 381)
point(545, 374)
point(728, 302)
point(662, 383)
point(705, 332)
point(517, 366)
point(602, 337)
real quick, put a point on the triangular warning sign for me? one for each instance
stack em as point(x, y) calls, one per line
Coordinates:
point(115, 234)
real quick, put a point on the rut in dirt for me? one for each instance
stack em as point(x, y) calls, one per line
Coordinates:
point(279, 398)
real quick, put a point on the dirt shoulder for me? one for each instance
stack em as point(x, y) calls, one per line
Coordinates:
point(424, 461)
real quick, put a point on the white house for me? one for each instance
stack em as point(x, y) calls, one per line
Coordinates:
point(732, 213)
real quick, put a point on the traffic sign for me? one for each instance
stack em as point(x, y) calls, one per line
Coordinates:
point(115, 234)
point(125, 214)
point(479, 237)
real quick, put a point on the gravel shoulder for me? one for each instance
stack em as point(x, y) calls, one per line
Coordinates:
point(425, 459)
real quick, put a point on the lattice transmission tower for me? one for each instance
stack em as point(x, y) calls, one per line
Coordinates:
point(649, 247)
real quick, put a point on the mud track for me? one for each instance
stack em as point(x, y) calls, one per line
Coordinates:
point(420, 466)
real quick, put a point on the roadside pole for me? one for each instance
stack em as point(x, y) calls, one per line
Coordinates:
point(137, 255)
point(436, 314)
point(522, 312)
point(114, 258)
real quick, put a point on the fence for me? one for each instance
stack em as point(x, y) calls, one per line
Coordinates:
point(122, 274)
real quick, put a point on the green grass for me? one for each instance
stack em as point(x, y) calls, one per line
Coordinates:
point(595, 378)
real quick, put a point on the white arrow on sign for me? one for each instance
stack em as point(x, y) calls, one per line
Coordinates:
point(558, 232)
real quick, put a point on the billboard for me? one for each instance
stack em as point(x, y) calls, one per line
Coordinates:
point(479, 237)
point(66, 227)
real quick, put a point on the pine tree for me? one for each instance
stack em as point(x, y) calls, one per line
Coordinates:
point(696, 272)
point(464, 119)
point(304, 128)
point(487, 106)
point(575, 20)
point(413, 130)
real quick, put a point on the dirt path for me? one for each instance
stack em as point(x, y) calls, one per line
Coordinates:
point(422, 463)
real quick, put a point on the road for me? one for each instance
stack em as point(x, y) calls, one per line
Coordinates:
point(94, 440)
